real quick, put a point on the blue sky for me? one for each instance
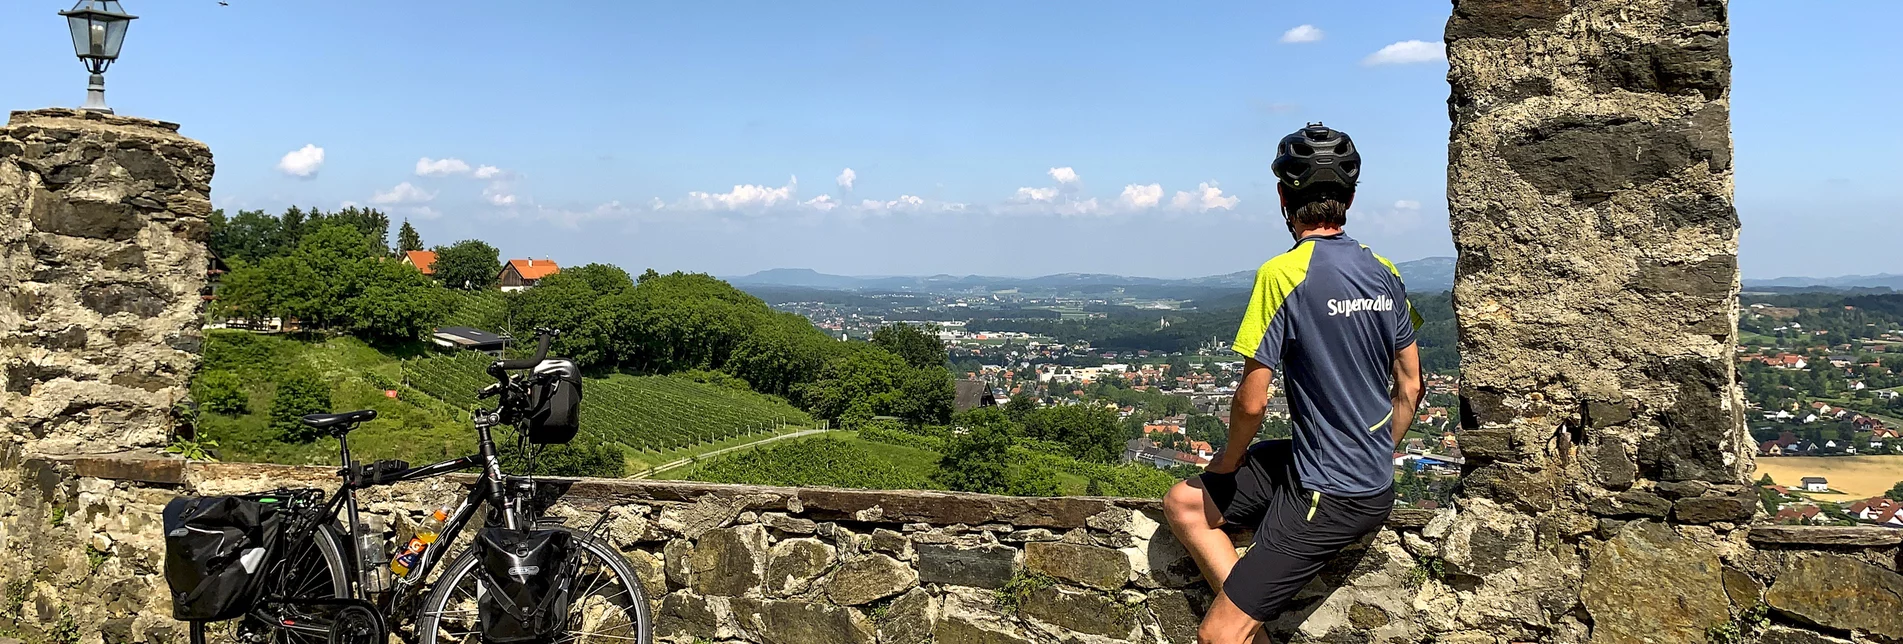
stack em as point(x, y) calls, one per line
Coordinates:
point(983, 137)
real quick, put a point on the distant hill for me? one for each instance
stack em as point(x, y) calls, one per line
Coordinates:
point(1845, 282)
point(1432, 274)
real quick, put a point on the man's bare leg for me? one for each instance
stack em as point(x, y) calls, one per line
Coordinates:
point(1197, 525)
point(1227, 624)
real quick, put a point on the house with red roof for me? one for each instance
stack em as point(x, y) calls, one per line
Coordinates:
point(423, 260)
point(520, 274)
point(1805, 514)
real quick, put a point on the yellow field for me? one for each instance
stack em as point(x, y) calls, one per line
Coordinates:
point(1859, 477)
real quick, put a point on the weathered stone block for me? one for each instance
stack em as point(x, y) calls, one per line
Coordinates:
point(1631, 503)
point(910, 619)
point(1682, 489)
point(1744, 590)
point(1681, 594)
point(795, 563)
point(1177, 615)
point(89, 219)
point(798, 622)
point(1591, 157)
point(1093, 566)
point(1842, 593)
point(1781, 634)
point(981, 566)
point(1824, 536)
point(729, 561)
point(1712, 509)
point(1081, 611)
point(863, 580)
point(684, 614)
point(1503, 18)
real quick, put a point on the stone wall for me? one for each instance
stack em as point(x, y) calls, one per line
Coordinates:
point(81, 548)
point(102, 260)
point(1606, 500)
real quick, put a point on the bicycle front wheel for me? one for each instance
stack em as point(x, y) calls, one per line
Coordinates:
point(609, 605)
point(313, 568)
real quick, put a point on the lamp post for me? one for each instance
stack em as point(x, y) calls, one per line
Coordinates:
point(99, 29)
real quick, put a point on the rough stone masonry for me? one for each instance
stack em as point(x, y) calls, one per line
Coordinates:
point(1606, 499)
point(102, 260)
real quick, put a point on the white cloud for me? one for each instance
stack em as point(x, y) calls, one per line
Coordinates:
point(823, 203)
point(420, 212)
point(1407, 52)
point(427, 167)
point(401, 194)
point(1407, 204)
point(1064, 175)
point(487, 172)
point(498, 193)
point(1138, 197)
point(1304, 33)
point(743, 197)
point(1076, 208)
point(846, 178)
point(302, 162)
point(1036, 194)
point(1206, 197)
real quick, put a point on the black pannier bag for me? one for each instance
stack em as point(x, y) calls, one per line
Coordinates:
point(554, 403)
point(526, 583)
point(216, 552)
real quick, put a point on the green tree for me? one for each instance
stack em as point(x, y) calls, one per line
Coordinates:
point(250, 236)
point(977, 461)
point(393, 302)
point(1090, 432)
point(1895, 493)
point(1033, 477)
point(299, 392)
point(854, 387)
point(915, 345)
point(407, 240)
point(586, 456)
point(1204, 427)
point(924, 397)
point(1020, 405)
point(220, 392)
point(470, 264)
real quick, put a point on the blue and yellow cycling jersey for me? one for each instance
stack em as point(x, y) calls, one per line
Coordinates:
point(1329, 316)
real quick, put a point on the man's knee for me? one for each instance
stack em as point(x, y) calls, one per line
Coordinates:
point(1184, 505)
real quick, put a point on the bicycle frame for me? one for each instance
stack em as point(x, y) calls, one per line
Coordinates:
point(492, 487)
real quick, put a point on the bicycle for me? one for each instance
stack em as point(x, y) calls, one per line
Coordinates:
point(317, 591)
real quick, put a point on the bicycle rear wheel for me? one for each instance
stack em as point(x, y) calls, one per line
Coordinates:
point(609, 607)
point(312, 569)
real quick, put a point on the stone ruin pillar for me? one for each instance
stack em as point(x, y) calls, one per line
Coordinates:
point(1590, 192)
point(102, 265)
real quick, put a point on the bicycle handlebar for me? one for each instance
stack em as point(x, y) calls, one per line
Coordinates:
point(543, 336)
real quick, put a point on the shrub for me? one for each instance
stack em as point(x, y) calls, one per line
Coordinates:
point(299, 392)
point(220, 392)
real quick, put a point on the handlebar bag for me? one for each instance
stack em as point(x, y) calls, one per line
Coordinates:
point(554, 408)
point(216, 551)
point(525, 583)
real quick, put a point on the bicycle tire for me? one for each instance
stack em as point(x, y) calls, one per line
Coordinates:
point(249, 629)
point(633, 600)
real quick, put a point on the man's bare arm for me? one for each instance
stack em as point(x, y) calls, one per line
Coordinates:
point(1245, 415)
point(1407, 389)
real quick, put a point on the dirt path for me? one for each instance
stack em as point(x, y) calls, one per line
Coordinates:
point(649, 473)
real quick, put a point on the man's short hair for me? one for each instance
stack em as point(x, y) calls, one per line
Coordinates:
point(1323, 205)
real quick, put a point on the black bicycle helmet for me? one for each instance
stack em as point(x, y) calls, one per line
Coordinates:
point(1317, 155)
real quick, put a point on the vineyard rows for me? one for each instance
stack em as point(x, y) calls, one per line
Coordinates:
point(653, 413)
point(480, 310)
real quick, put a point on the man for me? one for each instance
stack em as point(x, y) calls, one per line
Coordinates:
point(1333, 317)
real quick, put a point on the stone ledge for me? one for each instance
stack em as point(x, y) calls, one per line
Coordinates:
point(1800, 535)
point(819, 503)
point(27, 117)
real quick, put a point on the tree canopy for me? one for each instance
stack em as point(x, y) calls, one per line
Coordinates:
point(470, 264)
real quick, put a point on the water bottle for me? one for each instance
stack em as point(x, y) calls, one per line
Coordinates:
point(425, 535)
point(372, 556)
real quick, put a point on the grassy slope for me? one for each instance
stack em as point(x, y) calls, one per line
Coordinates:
point(769, 464)
point(413, 427)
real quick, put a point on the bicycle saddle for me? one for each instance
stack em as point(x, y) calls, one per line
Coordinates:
point(323, 421)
